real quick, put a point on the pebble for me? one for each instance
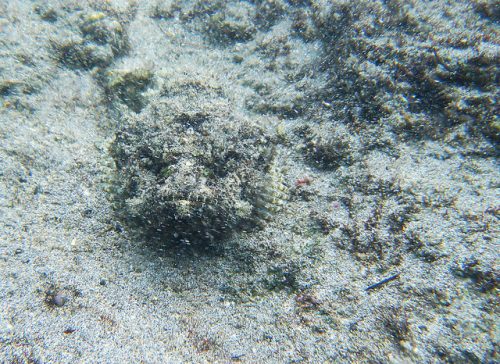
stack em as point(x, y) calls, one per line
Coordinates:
point(59, 300)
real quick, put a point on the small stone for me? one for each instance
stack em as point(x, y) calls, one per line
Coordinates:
point(59, 300)
point(78, 293)
point(238, 59)
point(102, 282)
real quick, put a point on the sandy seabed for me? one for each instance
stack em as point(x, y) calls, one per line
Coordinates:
point(383, 124)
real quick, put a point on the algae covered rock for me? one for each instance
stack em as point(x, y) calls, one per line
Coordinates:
point(128, 85)
point(191, 169)
point(426, 79)
point(74, 52)
point(232, 24)
point(269, 12)
point(97, 38)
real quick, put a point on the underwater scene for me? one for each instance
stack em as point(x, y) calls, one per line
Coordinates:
point(260, 181)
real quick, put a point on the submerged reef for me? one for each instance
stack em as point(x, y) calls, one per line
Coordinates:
point(191, 169)
point(418, 77)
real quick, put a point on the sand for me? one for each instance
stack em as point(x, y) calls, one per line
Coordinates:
point(386, 140)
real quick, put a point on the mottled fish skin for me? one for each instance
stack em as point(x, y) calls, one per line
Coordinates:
point(272, 197)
